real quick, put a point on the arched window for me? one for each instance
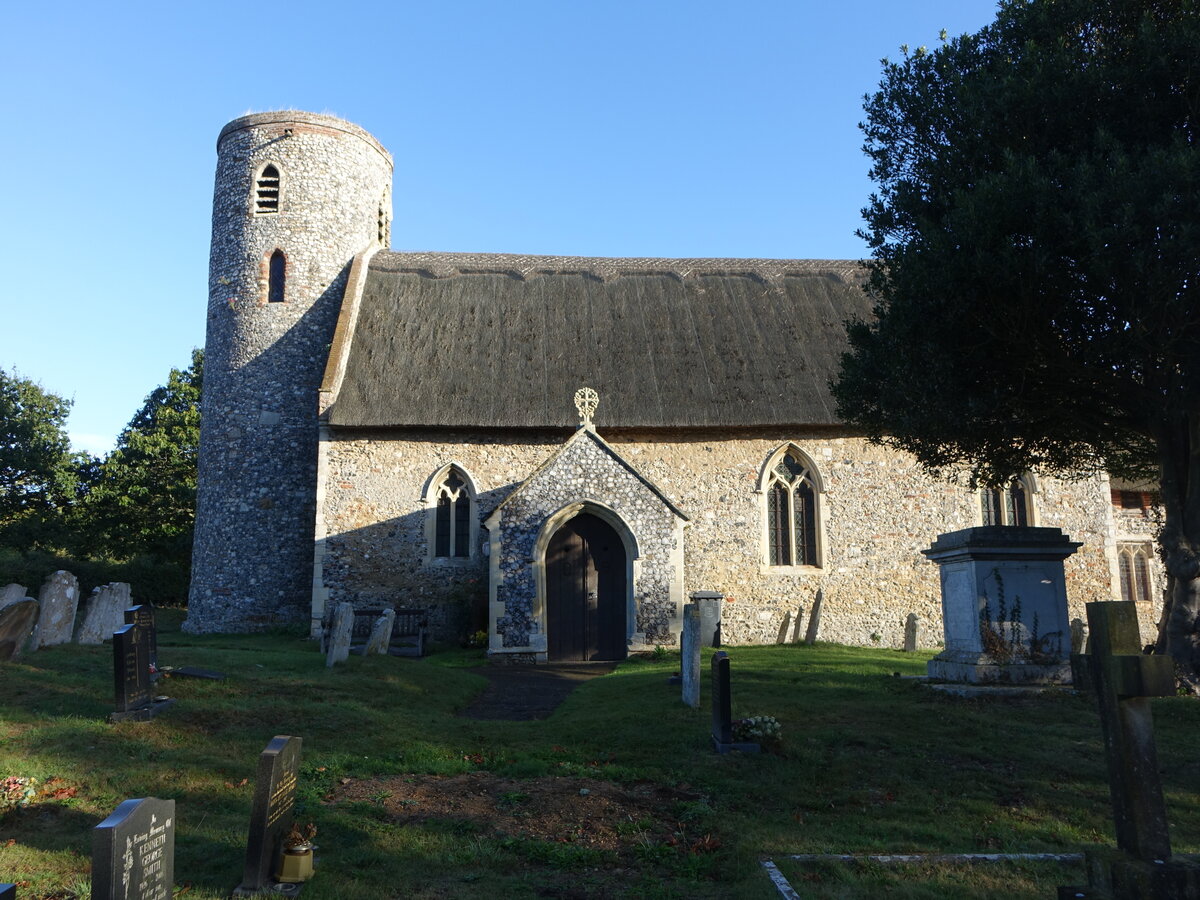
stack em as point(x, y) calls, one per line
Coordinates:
point(791, 490)
point(276, 274)
point(266, 191)
point(1007, 506)
point(452, 528)
point(1134, 563)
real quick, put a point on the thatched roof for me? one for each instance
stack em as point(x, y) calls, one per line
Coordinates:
point(497, 340)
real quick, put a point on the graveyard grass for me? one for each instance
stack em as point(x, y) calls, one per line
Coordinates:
point(870, 763)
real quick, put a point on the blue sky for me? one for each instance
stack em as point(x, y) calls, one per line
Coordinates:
point(614, 129)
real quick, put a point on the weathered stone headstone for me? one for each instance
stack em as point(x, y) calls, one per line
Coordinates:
point(381, 634)
point(133, 852)
point(59, 601)
point(341, 631)
point(709, 603)
point(690, 653)
point(103, 613)
point(814, 621)
point(271, 814)
point(11, 593)
point(17, 620)
point(1004, 605)
point(131, 677)
point(1124, 681)
point(910, 633)
point(143, 615)
point(796, 625)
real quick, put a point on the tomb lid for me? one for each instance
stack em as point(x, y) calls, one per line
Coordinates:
point(1002, 542)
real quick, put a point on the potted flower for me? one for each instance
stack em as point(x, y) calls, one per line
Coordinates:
point(296, 861)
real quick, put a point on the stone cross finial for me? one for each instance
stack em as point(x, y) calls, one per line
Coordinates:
point(586, 401)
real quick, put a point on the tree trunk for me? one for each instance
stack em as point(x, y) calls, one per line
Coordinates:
point(1179, 626)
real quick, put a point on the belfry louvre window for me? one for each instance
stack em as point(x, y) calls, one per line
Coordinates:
point(452, 528)
point(1134, 563)
point(266, 191)
point(791, 514)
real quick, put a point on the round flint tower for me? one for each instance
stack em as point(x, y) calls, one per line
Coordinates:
point(297, 196)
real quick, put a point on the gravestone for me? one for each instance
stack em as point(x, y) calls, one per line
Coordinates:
point(143, 615)
point(797, 623)
point(11, 593)
point(133, 852)
point(17, 620)
point(271, 814)
point(690, 653)
point(1004, 605)
point(381, 634)
point(8, 892)
point(722, 709)
point(340, 632)
point(910, 633)
point(709, 603)
point(103, 613)
point(814, 621)
point(59, 601)
point(131, 677)
point(1124, 680)
point(1078, 637)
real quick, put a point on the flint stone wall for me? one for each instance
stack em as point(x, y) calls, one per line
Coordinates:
point(881, 510)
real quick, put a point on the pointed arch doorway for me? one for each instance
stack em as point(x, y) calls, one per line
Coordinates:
point(586, 592)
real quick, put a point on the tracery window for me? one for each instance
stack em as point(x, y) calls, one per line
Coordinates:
point(1134, 562)
point(1006, 506)
point(266, 191)
point(452, 516)
point(791, 512)
point(276, 274)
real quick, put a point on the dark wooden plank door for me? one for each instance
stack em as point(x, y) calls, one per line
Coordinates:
point(585, 592)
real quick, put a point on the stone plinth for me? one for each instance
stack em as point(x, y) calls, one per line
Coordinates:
point(1004, 605)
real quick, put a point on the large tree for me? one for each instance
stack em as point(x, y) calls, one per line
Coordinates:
point(1035, 241)
point(37, 470)
point(143, 497)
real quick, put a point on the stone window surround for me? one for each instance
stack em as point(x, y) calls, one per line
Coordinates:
point(429, 498)
point(1032, 488)
point(258, 175)
point(264, 277)
point(762, 488)
point(1132, 548)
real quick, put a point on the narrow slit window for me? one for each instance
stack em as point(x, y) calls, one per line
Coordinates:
point(266, 192)
point(276, 274)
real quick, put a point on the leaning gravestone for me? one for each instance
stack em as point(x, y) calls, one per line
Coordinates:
point(16, 624)
point(1124, 680)
point(690, 651)
point(59, 601)
point(133, 852)
point(131, 677)
point(11, 593)
point(271, 814)
point(381, 634)
point(143, 615)
point(340, 633)
point(722, 709)
point(814, 620)
point(103, 613)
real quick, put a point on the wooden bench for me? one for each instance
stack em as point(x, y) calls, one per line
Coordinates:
point(408, 630)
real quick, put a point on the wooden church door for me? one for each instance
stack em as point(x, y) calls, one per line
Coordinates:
point(585, 592)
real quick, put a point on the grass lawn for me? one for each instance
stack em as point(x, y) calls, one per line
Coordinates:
point(871, 763)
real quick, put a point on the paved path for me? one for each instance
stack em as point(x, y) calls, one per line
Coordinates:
point(522, 693)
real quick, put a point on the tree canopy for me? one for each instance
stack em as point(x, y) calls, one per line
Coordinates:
point(1035, 255)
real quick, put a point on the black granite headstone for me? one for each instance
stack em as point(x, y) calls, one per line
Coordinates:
point(143, 614)
point(271, 814)
point(722, 717)
point(8, 892)
point(133, 852)
point(131, 677)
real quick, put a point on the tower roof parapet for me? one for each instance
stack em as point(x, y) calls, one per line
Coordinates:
point(300, 120)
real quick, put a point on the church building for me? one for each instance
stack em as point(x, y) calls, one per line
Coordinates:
point(556, 450)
